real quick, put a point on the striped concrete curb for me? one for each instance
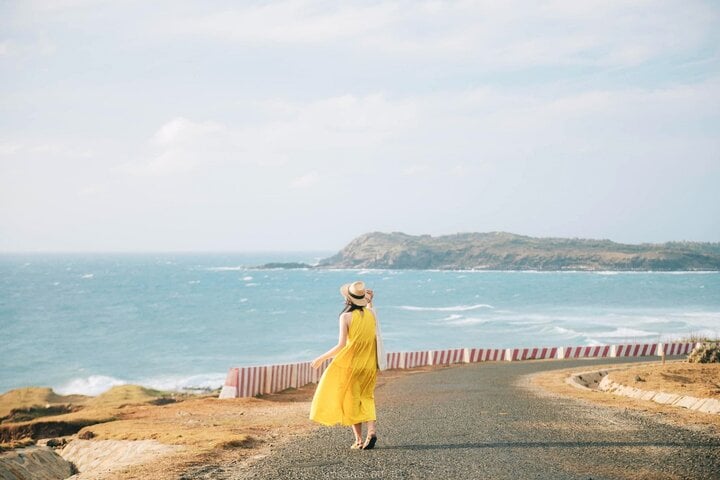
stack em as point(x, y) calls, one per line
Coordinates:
point(258, 380)
point(706, 405)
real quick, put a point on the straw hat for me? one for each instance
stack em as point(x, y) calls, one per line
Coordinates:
point(354, 293)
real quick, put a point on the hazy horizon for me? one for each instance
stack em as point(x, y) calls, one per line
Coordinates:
point(297, 125)
point(304, 252)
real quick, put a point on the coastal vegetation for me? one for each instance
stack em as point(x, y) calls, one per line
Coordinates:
point(508, 251)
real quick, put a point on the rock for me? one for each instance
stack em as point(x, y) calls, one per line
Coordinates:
point(34, 463)
point(56, 442)
point(284, 266)
point(86, 435)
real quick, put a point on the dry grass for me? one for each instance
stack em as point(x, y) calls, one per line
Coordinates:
point(700, 380)
point(31, 396)
point(553, 383)
point(211, 432)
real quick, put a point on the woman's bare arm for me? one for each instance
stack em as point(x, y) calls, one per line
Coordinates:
point(342, 340)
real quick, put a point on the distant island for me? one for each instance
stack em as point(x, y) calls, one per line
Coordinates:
point(508, 251)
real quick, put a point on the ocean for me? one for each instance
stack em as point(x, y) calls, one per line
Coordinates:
point(81, 323)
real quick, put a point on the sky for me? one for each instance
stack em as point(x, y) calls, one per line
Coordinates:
point(298, 125)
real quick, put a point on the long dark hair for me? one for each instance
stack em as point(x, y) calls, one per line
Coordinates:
point(349, 307)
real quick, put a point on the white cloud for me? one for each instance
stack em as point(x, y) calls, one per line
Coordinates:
point(286, 22)
point(494, 34)
point(91, 190)
point(182, 146)
point(40, 46)
point(42, 148)
point(9, 148)
point(305, 181)
point(414, 170)
point(291, 129)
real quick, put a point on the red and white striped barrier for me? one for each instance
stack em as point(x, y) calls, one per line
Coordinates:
point(302, 375)
point(446, 357)
point(671, 349)
point(485, 354)
point(279, 378)
point(230, 388)
point(636, 350)
point(594, 351)
point(416, 359)
point(243, 382)
point(537, 353)
point(395, 360)
point(251, 381)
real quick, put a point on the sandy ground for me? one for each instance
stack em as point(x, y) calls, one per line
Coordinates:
point(204, 430)
point(695, 379)
point(207, 433)
point(673, 377)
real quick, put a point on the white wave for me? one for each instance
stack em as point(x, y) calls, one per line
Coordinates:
point(194, 282)
point(248, 278)
point(456, 308)
point(606, 273)
point(243, 300)
point(565, 331)
point(623, 332)
point(184, 383)
point(468, 321)
point(96, 384)
point(92, 385)
point(225, 269)
point(88, 275)
point(251, 284)
point(560, 332)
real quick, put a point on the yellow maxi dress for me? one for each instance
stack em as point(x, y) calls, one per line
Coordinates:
point(346, 391)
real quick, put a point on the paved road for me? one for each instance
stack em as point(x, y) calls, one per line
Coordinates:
point(474, 421)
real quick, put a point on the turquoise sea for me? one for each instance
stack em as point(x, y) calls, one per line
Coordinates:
point(81, 323)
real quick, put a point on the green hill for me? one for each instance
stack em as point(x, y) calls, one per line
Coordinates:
point(507, 251)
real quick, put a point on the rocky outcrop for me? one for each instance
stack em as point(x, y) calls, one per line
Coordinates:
point(507, 251)
point(34, 463)
point(93, 458)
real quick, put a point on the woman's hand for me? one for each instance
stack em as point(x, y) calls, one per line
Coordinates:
point(317, 362)
point(369, 295)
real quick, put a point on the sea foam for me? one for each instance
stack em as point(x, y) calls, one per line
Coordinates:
point(456, 308)
point(94, 385)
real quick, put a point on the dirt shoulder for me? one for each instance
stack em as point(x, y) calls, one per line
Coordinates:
point(208, 433)
point(694, 379)
point(670, 378)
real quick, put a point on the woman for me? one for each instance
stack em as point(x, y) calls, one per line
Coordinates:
point(346, 391)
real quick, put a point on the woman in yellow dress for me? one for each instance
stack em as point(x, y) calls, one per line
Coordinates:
point(346, 391)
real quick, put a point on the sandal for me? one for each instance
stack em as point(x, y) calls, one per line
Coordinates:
point(370, 442)
point(357, 445)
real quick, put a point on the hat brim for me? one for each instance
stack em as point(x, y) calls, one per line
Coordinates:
point(345, 292)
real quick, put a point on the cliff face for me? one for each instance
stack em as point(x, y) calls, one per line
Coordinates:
point(507, 251)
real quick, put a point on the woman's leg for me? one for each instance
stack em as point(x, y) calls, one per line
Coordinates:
point(357, 430)
point(371, 426)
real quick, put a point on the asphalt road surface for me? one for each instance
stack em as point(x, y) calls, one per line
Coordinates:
point(478, 421)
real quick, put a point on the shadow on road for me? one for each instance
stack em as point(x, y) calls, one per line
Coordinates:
point(551, 445)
